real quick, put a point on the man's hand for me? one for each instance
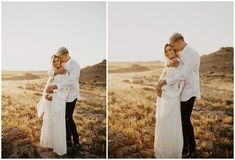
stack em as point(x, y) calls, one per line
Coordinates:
point(174, 63)
point(51, 88)
point(48, 97)
point(61, 70)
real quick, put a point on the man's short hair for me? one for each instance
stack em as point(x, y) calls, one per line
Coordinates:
point(175, 36)
point(61, 51)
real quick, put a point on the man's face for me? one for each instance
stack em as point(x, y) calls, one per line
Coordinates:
point(176, 45)
point(63, 58)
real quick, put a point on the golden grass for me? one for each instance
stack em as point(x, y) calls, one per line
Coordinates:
point(21, 126)
point(132, 106)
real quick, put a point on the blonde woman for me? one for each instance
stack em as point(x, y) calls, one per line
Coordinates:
point(52, 108)
point(168, 132)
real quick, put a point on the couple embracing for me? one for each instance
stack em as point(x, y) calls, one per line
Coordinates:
point(57, 104)
point(177, 90)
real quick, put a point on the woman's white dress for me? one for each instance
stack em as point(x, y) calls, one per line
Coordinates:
point(53, 132)
point(168, 141)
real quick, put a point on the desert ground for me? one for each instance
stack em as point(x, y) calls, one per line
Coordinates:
point(21, 126)
point(132, 107)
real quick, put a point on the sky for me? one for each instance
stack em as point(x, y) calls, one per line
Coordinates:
point(138, 31)
point(33, 31)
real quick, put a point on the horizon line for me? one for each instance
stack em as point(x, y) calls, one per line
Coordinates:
point(43, 70)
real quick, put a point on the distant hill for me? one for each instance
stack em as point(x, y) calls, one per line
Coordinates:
point(94, 74)
point(219, 62)
point(133, 68)
point(23, 75)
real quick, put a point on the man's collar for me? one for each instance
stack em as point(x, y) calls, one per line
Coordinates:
point(69, 60)
point(185, 48)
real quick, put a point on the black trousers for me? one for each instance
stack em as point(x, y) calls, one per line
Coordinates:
point(71, 128)
point(188, 133)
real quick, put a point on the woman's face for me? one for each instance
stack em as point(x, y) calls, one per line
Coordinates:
point(56, 62)
point(170, 52)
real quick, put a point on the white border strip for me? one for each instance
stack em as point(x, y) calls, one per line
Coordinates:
point(107, 135)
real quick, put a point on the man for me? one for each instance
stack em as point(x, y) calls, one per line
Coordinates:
point(73, 69)
point(191, 90)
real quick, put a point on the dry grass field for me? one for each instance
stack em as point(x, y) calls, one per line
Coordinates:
point(132, 106)
point(21, 127)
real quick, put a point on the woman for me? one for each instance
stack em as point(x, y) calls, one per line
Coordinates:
point(168, 141)
point(52, 107)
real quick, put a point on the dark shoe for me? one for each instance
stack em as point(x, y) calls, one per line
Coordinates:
point(193, 155)
point(189, 155)
point(69, 150)
point(186, 155)
point(76, 147)
point(185, 150)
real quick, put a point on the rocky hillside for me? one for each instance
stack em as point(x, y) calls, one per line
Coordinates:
point(94, 74)
point(218, 63)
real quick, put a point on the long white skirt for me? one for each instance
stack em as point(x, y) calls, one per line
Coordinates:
point(53, 131)
point(46, 130)
point(168, 141)
point(59, 126)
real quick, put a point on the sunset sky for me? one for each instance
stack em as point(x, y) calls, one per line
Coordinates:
point(33, 31)
point(138, 31)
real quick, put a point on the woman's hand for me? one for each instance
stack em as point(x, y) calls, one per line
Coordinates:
point(49, 89)
point(159, 86)
point(159, 91)
point(48, 97)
